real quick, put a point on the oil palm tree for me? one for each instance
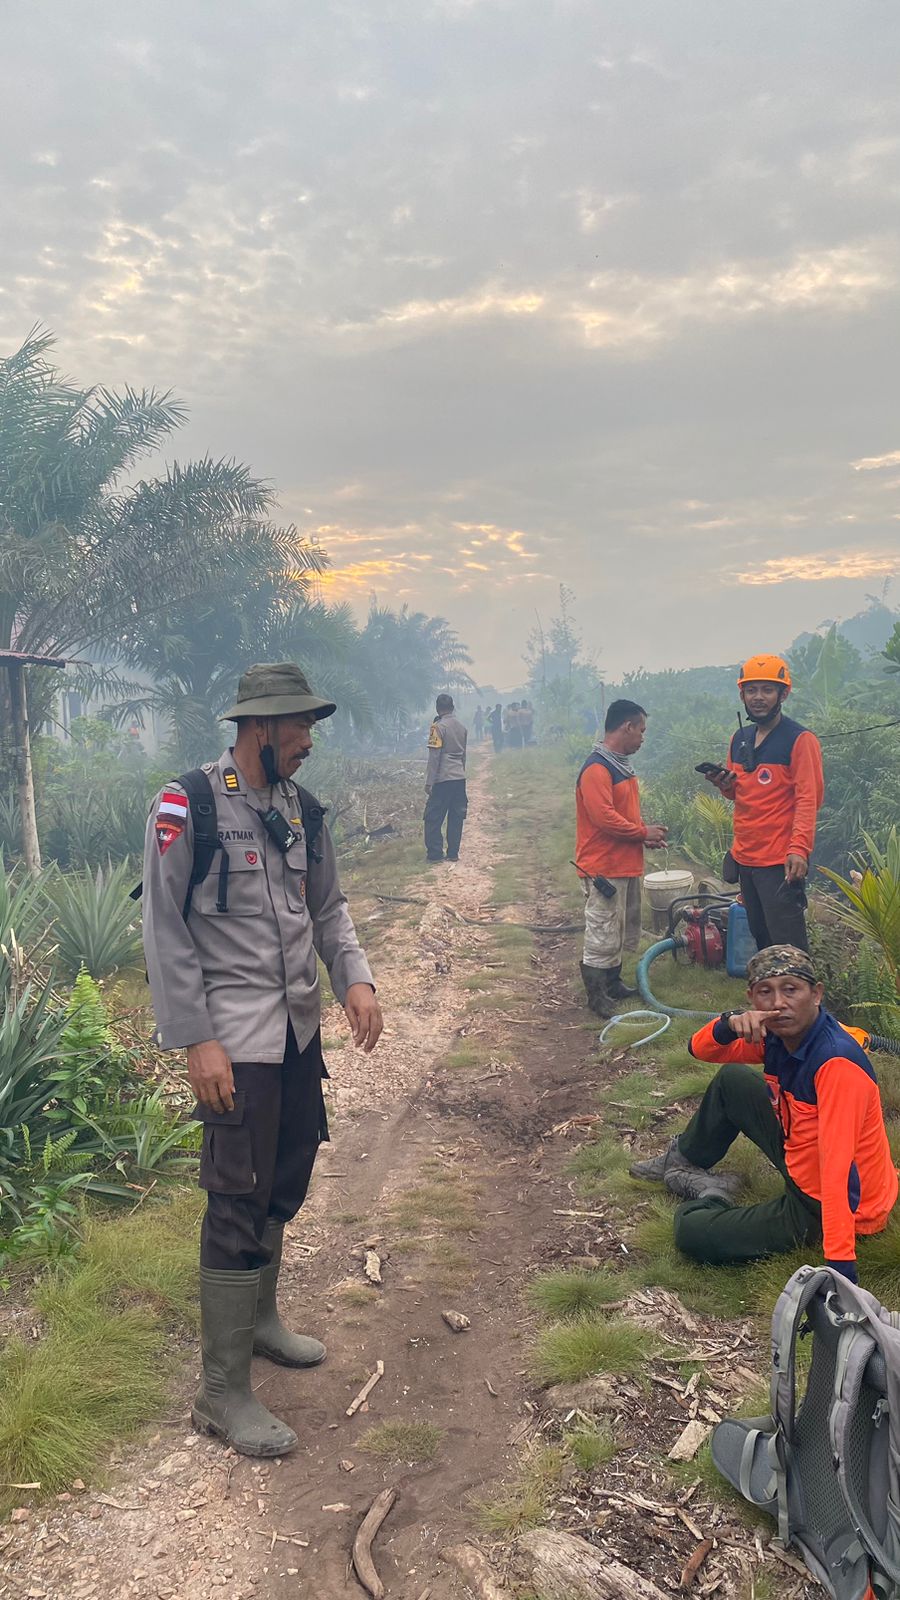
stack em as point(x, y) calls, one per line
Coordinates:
point(88, 558)
point(196, 658)
point(411, 657)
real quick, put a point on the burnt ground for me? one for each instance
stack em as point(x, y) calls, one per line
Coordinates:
point(454, 1170)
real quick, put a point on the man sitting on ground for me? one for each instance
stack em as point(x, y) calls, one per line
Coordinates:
point(814, 1111)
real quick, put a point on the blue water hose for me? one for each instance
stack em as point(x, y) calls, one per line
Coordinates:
point(661, 948)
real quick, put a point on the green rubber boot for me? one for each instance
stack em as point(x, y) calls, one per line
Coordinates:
point(225, 1404)
point(272, 1339)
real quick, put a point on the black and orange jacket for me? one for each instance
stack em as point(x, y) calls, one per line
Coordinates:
point(609, 832)
point(826, 1098)
point(778, 791)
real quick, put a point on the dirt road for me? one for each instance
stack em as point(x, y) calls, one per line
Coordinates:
point(445, 1164)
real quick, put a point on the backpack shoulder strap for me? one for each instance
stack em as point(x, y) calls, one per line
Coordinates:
point(313, 814)
point(204, 818)
point(788, 1320)
point(865, 1327)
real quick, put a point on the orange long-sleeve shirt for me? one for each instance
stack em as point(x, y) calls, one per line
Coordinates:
point(778, 790)
point(609, 830)
point(826, 1098)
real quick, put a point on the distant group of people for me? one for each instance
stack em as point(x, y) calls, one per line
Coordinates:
point(511, 726)
point(815, 1109)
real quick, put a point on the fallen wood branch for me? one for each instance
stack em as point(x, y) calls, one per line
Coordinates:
point(366, 1389)
point(363, 1564)
point(689, 1441)
point(476, 1569)
point(564, 1567)
point(694, 1563)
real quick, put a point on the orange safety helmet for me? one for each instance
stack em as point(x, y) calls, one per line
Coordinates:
point(766, 669)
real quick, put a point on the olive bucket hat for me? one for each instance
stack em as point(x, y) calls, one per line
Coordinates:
point(276, 690)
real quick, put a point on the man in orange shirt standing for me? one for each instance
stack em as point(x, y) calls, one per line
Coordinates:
point(609, 854)
point(774, 776)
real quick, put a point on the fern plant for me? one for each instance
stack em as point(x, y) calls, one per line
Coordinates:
point(92, 1067)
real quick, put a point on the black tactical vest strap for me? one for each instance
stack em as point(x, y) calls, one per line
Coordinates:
point(202, 802)
point(313, 813)
point(204, 818)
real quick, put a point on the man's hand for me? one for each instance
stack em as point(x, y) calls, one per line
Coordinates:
point(364, 1016)
point(751, 1025)
point(722, 779)
point(795, 868)
point(212, 1080)
point(655, 837)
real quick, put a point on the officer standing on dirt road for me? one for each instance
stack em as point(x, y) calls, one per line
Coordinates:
point(233, 922)
point(445, 782)
point(774, 776)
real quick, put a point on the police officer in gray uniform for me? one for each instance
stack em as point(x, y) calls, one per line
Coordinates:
point(234, 979)
point(445, 782)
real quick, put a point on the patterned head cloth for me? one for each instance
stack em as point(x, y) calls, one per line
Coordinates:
point(778, 961)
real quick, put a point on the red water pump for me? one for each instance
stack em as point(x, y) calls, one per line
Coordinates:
point(702, 934)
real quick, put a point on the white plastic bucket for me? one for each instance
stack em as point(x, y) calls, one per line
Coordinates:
point(664, 887)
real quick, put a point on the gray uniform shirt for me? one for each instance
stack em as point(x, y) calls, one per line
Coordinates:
point(446, 750)
point(239, 976)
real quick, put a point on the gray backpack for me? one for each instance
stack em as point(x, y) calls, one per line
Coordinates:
point(828, 1469)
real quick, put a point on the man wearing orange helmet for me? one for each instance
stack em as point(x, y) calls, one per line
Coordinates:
point(774, 776)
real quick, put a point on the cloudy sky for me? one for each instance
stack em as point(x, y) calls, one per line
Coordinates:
point(500, 295)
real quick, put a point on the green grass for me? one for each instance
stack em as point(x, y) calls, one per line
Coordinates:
point(602, 1154)
point(569, 1351)
point(565, 1295)
point(714, 1291)
point(402, 1441)
point(450, 1266)
point(590, 1447)
point(444, 1203)
point(101, 1368)
point(468, 1055)
point(355, 1295)
point(526, 1502)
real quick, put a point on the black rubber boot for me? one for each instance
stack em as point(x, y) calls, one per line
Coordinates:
point(272, 1339)
point(226, 1404)
point(598, 999)
point(615, 988)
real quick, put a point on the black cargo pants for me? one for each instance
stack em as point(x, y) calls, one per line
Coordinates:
point(257, 1160)
point(738, 1101)
point(776, 909)
point(445, 800)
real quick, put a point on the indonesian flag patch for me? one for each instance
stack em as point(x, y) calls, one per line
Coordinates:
point(171, 817)
point(172, 806)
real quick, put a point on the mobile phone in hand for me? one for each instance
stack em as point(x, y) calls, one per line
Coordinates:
point(708, 768)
